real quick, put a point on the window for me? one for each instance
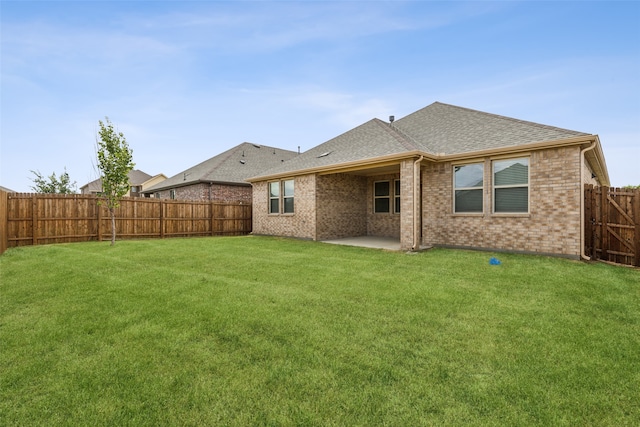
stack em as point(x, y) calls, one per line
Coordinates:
point(511, 186)
point(274, 197)
point(287, 196)
point(172, 194)
point(381, 196)
point(157, 195)
point(281, 193)
point(468, 188)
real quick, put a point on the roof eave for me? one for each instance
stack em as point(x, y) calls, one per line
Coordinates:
point(514, 149)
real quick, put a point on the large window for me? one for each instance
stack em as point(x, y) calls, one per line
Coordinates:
point(511, 186)
point(468, 187)
point(281, 193)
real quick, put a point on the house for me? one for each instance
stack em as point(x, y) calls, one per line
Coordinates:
point(223, 177)
point(6, 190)
point(138, 180)
point(441, 176)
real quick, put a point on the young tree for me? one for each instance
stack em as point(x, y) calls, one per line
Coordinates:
point(115, 161)
point(53, 184)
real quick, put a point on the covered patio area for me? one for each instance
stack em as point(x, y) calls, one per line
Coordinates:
point(386, 243)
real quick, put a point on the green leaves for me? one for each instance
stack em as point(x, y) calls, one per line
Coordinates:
point(115, 161)
point(53, 184)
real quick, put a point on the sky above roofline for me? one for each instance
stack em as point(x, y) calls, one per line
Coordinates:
point(185, 81)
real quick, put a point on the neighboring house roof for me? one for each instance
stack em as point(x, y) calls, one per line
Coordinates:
point(438, 131)
point(233, 166)
point(6, 190)
point(136, 177)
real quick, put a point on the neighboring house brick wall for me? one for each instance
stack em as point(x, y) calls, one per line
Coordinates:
point(299, 224)
point(552, 226)
point(382, 224)
point(341, 206)
point(216, 192)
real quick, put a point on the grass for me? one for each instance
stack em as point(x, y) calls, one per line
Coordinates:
point(268, 331)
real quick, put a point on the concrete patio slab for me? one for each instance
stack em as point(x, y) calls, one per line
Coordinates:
point(387, 243)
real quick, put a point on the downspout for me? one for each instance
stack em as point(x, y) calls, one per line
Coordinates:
point(582, 222)
point(416, 202)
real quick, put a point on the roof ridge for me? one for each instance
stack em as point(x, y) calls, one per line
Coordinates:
point(403, 138)
point(512, 119)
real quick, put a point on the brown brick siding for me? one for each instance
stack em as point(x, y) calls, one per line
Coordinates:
point(341, 206)
point(217, 192)
point(552, 225)
point(299, 224)
point(382, 224)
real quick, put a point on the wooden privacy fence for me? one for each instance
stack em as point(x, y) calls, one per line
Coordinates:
point(612, 224)
point(36, 219)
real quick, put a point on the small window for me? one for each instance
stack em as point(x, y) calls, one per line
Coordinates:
point(511, 186)
point(274, 197)
point(172, 194)
point(156, 195)
point(468, 188)
point(381, 197)
point(287, 196)
point(396, 195)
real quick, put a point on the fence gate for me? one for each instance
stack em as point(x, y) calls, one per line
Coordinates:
point(612, 224)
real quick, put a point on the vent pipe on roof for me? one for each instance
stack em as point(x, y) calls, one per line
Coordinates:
point(391, 119)
point(298, 149)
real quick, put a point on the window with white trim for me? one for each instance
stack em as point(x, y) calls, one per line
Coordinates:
point(172, 194)
point(468, 184)
point(511, 186)
point(281, 195)
point(396, 196)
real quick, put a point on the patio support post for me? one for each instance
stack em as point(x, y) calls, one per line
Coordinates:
point(416, 203)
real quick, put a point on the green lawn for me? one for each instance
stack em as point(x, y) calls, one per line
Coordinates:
point(266, 331)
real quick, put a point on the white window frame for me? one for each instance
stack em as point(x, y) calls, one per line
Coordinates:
point(503, 186)
point(397, 201)
point(273, 198)
point(476, 188)
point(172, 194)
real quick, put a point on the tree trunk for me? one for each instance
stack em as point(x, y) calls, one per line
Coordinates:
point(112, 211)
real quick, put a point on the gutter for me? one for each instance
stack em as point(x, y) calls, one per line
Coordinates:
point(582, 221)
point(416, 202)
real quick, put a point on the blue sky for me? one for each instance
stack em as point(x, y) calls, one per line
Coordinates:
point(185, 81)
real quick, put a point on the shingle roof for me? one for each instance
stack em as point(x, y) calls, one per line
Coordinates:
point(436, 129)
point(446, 129)
point(136, 177)
point(232, 166)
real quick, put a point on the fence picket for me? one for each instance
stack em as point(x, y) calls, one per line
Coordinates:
point(32, 219)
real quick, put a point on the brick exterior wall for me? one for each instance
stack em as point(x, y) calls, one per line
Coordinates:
point(217, 192)
point(341, 206)
point(301, 224)
point(551, 227)
point(382, 224)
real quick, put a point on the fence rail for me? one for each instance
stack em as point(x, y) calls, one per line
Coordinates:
point(612, 224)
point(35, 219)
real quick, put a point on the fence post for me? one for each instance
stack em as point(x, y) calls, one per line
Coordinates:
point(213, 215)
point(636, 219)
point(99, 216)
point(4, 221)
point(161, 219)
point(34, 220)
point(604, 220)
